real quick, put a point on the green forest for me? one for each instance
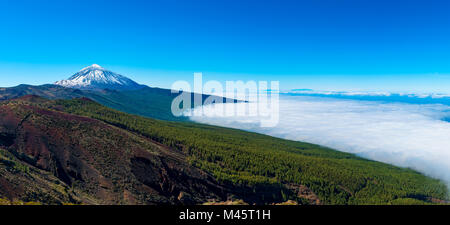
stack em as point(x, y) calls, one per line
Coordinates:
point(251, 160)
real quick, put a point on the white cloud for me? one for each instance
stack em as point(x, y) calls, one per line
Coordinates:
point(364, 93)
point(342, 93)
point(407, 135)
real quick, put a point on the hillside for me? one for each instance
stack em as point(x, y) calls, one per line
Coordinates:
point(53, 157)
point(48, 91)
point(93, 154)
point(145, 101)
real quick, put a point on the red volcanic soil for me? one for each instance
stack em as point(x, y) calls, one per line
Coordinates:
point(62, 158)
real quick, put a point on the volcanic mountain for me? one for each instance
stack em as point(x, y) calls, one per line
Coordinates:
point(109, 89)
point(95, 77)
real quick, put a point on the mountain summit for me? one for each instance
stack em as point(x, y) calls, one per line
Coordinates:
point(95, 77)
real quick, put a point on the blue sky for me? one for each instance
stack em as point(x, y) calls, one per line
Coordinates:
point(322, 44)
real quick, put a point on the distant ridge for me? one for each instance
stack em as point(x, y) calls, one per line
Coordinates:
point(146, 101)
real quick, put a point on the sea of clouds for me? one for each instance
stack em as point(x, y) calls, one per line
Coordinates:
point(402, 134)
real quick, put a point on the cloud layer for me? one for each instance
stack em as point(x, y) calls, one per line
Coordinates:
point(407, 135)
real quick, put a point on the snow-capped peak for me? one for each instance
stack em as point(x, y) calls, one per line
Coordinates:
point(96, 77)
point(93, 66)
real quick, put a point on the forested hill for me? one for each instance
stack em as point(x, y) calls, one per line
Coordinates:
point(146, 101)
point(262, 169)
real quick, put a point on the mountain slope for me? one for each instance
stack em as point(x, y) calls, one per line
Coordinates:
point(48, 91)
point(149, 102)
point(20, 181)
point(82, 152)
point(63, 158)
point(95, 77)
point(262, 169)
